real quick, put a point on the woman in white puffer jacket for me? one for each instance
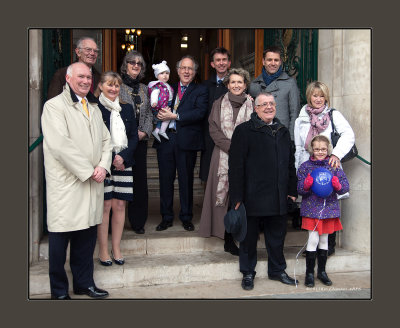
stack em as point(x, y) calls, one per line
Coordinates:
point(317, 112)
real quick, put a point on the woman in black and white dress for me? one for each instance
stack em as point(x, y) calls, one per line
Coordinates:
point(118, 188)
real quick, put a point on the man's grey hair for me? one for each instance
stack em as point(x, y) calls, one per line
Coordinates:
point(71, 68)
point(267, 94)
point(79, 42)
point(196, 65)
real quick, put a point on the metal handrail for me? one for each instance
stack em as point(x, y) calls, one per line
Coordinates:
point(36, 143)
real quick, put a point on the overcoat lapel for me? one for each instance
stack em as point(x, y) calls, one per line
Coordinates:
point(273, 86)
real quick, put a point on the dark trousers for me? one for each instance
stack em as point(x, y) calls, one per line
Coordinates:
point(171, 159)
point(274, 233)
point(332, 241)
point(138, 208)
point(82, 244)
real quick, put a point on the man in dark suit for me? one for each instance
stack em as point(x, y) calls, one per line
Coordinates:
point(185, 133)
point(221, 62)
point(86, 52)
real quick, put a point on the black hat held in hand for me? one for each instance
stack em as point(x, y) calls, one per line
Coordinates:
point(236, 222)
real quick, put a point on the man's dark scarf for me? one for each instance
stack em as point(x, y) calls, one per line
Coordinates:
point(269, 78)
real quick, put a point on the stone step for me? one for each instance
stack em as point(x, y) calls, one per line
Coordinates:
point(151, 270)
point(152, 152)
point(153, 183)
point(153, 173)
point(346, 285)
point(152, 161)
point(154, 188)
point(155, 192)
point(175, 239)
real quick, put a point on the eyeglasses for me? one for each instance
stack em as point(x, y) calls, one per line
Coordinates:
point(323, 150)
point(89, 50)
point(133, 63)
point(186, 68)
point(266, 104)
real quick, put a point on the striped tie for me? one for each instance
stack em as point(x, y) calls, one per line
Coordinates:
point(83, 101)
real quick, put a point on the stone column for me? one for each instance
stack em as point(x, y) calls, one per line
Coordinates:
point(36, 155)
point(344, 64)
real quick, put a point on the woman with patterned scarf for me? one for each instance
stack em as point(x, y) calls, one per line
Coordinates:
point(314, 120)
point(228, 111)
point(135, 93)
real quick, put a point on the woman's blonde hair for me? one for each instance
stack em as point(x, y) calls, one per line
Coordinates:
point(111, 76)
point(316, 85)
point(238, 71)
point(320, 138)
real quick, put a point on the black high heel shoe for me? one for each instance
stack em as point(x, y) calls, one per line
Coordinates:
point(106, 262)
point(120, 261)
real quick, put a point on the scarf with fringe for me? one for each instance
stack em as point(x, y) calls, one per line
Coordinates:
point(228, 126)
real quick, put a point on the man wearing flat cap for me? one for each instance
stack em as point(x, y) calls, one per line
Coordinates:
point(262, 176)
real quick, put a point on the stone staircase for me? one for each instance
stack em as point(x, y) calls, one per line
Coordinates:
point(160, 262)
point(176, 263)
point(152, 175)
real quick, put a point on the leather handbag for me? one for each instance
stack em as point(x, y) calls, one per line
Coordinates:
point(335, 136)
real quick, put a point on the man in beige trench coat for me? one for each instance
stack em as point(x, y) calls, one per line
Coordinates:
point(77, 156)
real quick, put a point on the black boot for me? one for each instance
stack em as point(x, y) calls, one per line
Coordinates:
point(229, 245)
point(310, 264)
point(322, 256)
point(331, 243)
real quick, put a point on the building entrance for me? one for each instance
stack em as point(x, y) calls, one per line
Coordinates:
point(246, 47)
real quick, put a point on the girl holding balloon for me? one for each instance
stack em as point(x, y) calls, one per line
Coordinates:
point(318, 184)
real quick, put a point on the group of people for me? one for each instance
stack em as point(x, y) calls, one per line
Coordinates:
point(96, 128)
point(264, 158)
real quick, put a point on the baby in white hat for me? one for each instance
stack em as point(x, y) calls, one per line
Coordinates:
point(160, 93)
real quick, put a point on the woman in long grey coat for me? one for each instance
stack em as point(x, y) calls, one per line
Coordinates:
point(227, 112)
point(135, 93)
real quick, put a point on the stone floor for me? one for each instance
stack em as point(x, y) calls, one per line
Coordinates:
point(354, 285)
